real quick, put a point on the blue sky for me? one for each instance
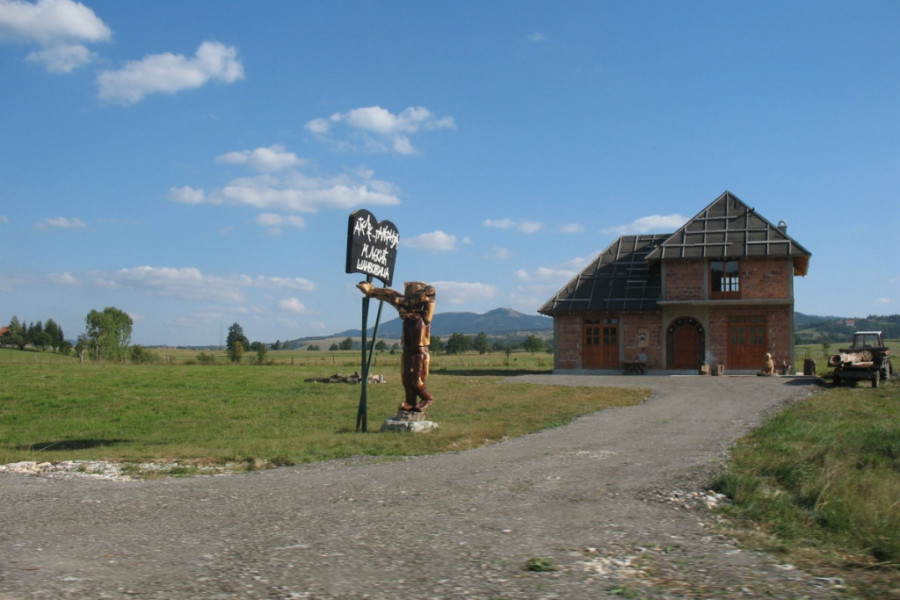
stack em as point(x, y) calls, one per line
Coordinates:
point(195, 163)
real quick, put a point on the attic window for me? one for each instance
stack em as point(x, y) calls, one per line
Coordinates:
point(724, 279)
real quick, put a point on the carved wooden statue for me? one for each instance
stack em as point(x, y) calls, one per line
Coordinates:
point(416, 308)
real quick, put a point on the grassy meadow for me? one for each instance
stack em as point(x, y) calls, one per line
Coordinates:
point(266, 414)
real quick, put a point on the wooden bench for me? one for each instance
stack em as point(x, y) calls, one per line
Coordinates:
point(634, 368)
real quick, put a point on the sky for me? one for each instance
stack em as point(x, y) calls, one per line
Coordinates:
point(194, 164)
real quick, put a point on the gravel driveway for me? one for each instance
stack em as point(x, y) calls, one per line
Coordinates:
point(614, 501)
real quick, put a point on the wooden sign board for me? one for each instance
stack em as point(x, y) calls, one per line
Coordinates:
point(371, 246)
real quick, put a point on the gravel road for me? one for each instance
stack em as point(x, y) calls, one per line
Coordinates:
point(614, 502)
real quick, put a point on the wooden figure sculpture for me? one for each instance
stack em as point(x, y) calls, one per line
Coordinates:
point(416, 308)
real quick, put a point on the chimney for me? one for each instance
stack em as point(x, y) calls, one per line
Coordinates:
point(782, 226)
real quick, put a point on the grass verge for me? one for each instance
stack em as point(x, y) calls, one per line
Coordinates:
point(820, 485)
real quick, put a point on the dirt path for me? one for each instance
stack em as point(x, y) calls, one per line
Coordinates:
point(604, 499)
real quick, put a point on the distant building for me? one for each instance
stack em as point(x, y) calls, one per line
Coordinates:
point(717, 291)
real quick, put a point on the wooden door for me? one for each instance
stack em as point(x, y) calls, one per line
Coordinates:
point(601, 344)
point(684, 344)
point(746, 342)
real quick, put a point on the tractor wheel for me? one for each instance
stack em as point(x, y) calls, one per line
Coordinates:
point(836, 381)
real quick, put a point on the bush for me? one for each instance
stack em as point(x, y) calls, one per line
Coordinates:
point(140, 354)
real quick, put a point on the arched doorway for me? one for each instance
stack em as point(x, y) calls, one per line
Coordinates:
point(685, 346)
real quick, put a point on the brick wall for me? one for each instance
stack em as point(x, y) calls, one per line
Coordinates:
point(567, 337)
point(766, 278)
point(684, 279)
point(631, 325)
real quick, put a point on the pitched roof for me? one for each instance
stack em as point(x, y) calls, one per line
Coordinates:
point(728, 228)
point(619, 279)
point(626, 276)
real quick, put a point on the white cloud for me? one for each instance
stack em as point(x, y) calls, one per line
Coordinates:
point(571, 228)
point(292, 305)
point(537, 36)
point(882, 301)
point(63, 279)
point(62, 223)
point(379, 130)
point(3, 219)
point(187, 195)
point(498, 253)
point(170, 73)
point(60, 27)
point(455, 292)
point(521, 225)
point(190, 283)
point(558, 274)
point(273, 158)
point(277, 223)
point(652, 223)
point(289, 190)
point(436, 241)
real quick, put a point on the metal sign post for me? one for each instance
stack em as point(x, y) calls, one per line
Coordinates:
point(372, 250)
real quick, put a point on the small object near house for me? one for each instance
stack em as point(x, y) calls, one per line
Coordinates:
point(867, 358)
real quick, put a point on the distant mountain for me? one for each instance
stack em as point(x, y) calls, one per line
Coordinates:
point(813, 329)
point(503, 322)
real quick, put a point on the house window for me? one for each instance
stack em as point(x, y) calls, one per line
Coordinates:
point(724, 279)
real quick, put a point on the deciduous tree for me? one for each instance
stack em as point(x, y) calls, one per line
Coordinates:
point(108, 334)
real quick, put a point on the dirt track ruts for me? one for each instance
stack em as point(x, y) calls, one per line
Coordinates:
point(608, 499)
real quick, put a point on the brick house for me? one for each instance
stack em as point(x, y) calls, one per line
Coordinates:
point(719, 290)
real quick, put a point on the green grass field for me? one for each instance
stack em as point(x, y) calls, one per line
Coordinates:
point(267, 413)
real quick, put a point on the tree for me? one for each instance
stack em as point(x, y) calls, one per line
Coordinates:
point(16, 334)
point(236, 334)
point(533, 344)
point(108, 334)
point(481, 343)
point(436, 344)
point(236, 351)
point(55, 335)
point(261, 352)
point(312, 348)
point(458, 343)
point(347, 344)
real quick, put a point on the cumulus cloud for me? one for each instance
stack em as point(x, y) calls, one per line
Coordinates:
point(521, 225)
point(456, 292)
point(292, 305)
point(62, 223)
point(59, 27)
point(170, 73)
point(535, 37)
point(285, 189)
point(436, 241)
point(192, 284)
point(652, 223)
point(571, 228)
point(273, 158)
point(376, 129)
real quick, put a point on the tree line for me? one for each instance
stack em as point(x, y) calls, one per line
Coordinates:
point(457, 343)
